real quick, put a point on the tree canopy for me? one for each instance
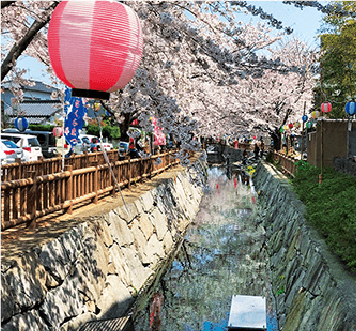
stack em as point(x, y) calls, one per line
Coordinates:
point(338, 60)
point(201, 72)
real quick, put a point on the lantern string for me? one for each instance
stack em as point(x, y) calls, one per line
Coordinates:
point(108, 162)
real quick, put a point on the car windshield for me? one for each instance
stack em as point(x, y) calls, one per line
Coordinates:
point(86, 140)
point(33, 142)
point(9, 144)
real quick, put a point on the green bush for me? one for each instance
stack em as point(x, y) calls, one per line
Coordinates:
point(331, 206)
point(41, 127)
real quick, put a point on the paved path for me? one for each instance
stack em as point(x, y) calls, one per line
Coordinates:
point(16, 241)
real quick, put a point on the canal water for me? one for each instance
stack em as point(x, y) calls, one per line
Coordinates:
point(223, 254)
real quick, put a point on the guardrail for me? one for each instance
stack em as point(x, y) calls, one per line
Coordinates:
point(23, 200)
point(287, 163)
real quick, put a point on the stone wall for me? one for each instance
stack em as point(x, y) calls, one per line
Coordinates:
point(94, 270)
point(313, 290)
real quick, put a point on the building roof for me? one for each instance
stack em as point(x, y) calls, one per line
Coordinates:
point(38, 87)
point(36, 111)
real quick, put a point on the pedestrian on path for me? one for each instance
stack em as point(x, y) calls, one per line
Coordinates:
point(256, 151)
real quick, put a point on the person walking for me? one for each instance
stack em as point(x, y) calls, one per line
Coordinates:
point(257, 151)
point(262, 148)
point(244, 156)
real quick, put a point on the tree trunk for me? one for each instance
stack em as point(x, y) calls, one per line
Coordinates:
point(124, 126)
point(276, 137)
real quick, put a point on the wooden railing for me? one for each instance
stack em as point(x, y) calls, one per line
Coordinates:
point(42, 166)
point(25, 199)
point(287, 163)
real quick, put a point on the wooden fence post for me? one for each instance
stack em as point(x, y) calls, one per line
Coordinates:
point(69, 195)
point(95, 183)
point(19, 172)
point(32, 201)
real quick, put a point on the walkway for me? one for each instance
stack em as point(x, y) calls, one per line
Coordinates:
point(15, 241)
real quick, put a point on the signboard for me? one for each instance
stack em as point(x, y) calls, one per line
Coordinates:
point(247, 312)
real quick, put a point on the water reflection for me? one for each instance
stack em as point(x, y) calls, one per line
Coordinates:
point(222, 255)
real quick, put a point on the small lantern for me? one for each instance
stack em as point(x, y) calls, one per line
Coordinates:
point(326, 107)
point(21, 123)
point(350, 108)
point(254, 137)
point(58, 131)
point(315, 114)
point(281, 130)
point(290, 126)
point(304, 118)
point(309, 125)
point(96, 106)
point(95, 47)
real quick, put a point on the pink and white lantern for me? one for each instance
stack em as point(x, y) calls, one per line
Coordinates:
point(58, 131)
point(95, 47)
point(326, 107)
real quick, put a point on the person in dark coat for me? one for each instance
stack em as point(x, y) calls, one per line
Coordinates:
point(244, 156)
point(262, 147)
point(257, 151)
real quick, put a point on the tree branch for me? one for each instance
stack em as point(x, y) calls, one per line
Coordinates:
point(22, 45)
point(6, 3)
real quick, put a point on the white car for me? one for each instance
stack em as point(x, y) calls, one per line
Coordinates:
point(9, 152)
point(32, 150)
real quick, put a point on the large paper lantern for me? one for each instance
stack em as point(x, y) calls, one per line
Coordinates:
point(95, 47)
point(21, 123)
point(350, 108)
point(326, 107)
point(315, 114)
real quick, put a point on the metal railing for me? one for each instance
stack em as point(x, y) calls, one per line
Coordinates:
point(42, 193)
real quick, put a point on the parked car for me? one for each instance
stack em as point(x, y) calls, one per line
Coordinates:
point(45, 138)
point(91, 146)
point(81, 146)
point(32, 150)
point(10, 152)
point(107, 146)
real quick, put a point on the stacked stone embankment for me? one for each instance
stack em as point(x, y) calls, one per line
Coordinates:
point(313, 290)
point(94, 270)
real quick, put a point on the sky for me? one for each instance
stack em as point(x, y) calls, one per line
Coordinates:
point(305, 24)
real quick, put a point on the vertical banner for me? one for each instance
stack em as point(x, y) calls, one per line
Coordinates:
point(74, 116)
point(160, 137)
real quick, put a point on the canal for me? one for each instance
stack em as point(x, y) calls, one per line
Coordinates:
point(223, 254)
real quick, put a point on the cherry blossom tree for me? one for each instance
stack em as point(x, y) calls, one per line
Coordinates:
point(198, 68)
